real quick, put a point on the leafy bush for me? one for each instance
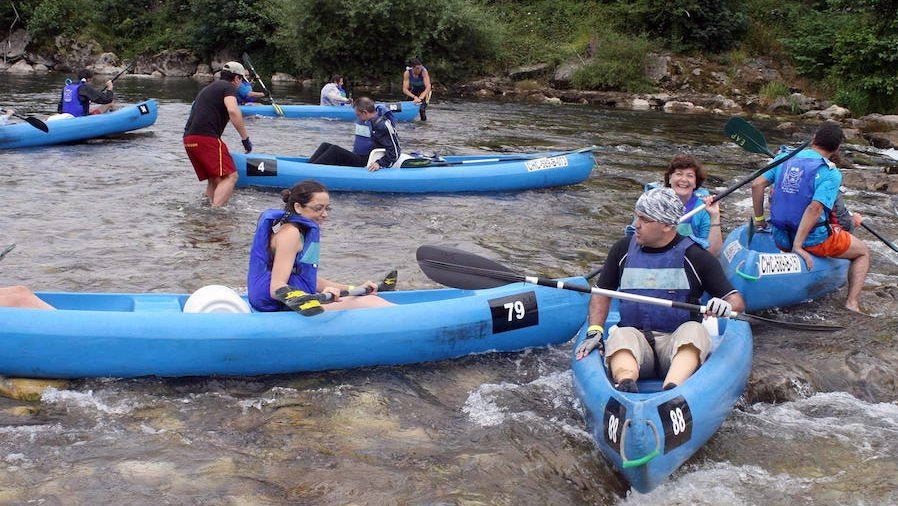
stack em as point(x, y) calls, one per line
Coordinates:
point(772, 91)
point(618, 64)
point(689, 25)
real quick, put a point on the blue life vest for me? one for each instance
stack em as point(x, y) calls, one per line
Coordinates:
point(243, 92)
point(416, 83)
point(362, 143)
point(697, 199)
point(793, 191)
point(305, 267)
point(660, 275)
point(70, 101)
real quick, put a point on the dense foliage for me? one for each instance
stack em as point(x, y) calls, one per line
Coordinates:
point(845, 48)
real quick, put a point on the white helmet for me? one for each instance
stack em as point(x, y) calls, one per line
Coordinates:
point(216, 299)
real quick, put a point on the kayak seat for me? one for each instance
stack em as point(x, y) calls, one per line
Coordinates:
point(379, 152)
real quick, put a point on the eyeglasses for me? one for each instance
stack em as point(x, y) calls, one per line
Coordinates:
point(319, 208)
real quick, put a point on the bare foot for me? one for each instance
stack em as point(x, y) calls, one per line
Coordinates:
point(854, 306)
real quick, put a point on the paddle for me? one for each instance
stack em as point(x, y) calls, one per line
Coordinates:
point(745, 142)
point(7, 250)
point(249, 63)
point(751, 139)
point(124, 70)
point(31, 120)
point(311, 303)
point(426, 162)
point(461, 269)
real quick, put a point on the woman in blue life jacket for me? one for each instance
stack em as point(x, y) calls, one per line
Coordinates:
point(685, 175)
point(283, 262)
point(375, 128)
point(77, 97)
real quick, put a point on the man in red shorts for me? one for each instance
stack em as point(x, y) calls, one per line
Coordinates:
point(804, 192)
point(214, 106)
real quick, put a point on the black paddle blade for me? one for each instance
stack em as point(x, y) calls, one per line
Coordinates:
point(36, 123)
point(460, 269)
point(7, 250)
point(389, 282)
point(746, 136)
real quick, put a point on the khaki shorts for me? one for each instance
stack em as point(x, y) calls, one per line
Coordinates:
point(666, 346)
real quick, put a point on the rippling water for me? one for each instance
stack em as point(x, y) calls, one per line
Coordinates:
point(816, 426)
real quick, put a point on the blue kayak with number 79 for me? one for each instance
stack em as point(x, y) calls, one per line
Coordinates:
point(128, 335)
point(419, 174)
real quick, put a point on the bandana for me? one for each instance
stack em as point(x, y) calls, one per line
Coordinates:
point(661, 205)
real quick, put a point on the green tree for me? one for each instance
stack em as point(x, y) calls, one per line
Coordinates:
point(688, 25)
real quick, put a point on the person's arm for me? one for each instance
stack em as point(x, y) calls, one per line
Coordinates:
point(809, 219)
point(335, 95)
point(287, 243)
point(715, 235)
point(383, 134)
point(426, 93)
point(405, 86)
point(757, 199)
point(236, 116)
point(105, 96)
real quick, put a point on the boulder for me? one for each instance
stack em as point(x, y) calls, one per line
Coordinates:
point(677, 106)
point(640, 104)
point(564, 74)
point(657, 68)
point(833, 112)
point(882, 140)
point(176, 63)
point(21, 67)
point(13, 47)
point(879, 122)
point(282, 77)
point(528, 71)
point(107, 64)
point(75, 54)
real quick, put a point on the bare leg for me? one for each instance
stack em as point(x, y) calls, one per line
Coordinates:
point(224, 189)
point(683, 364)
point(859, 254)
point(356, 302)
point(20, 296)
point(623, 366)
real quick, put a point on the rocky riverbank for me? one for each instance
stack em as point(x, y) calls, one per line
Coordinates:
point(684, 85)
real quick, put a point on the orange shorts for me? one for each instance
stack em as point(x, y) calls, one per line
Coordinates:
point(209, 155)
point(834, 245)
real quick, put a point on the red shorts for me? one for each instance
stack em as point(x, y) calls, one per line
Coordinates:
point(834, 245)
point(209, 155)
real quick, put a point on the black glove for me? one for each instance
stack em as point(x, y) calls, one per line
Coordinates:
point(247, 145)
point(298, 300)
point(593, 341)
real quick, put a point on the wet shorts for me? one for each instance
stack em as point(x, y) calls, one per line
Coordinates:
point(666, 346)
point(833, 246)
point(209, 155)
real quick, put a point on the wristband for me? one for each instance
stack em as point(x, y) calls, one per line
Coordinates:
point(597, 328)
point(759, 219)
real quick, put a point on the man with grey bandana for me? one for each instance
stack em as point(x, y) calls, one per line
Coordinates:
point(655, 341)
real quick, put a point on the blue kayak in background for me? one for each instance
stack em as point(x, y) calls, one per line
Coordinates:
point(124, 119)
point(402, 111)
point(768, 277)
point(648, 435)
point(477, 173)
point(128, 335)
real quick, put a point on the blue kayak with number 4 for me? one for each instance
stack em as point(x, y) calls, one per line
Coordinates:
point(128, 335)
point(648, 435)
point(768, 277)
point(478, 173)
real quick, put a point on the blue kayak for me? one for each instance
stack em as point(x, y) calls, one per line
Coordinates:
point(648, 435)
point(768, 277)
point(478, 173)
point(402, 111)
point(129, 335)
point(124, 119)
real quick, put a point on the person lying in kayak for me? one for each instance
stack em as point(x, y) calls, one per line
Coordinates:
point(20, 296)
point(657, 262)
point(375, 128)
point(283, 261)
point(685, 175)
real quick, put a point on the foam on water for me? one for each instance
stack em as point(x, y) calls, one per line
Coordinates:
point(87, 400)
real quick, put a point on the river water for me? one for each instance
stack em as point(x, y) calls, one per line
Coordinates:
point(817, 425)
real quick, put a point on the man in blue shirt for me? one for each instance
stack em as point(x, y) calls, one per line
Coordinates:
point(804, 191)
